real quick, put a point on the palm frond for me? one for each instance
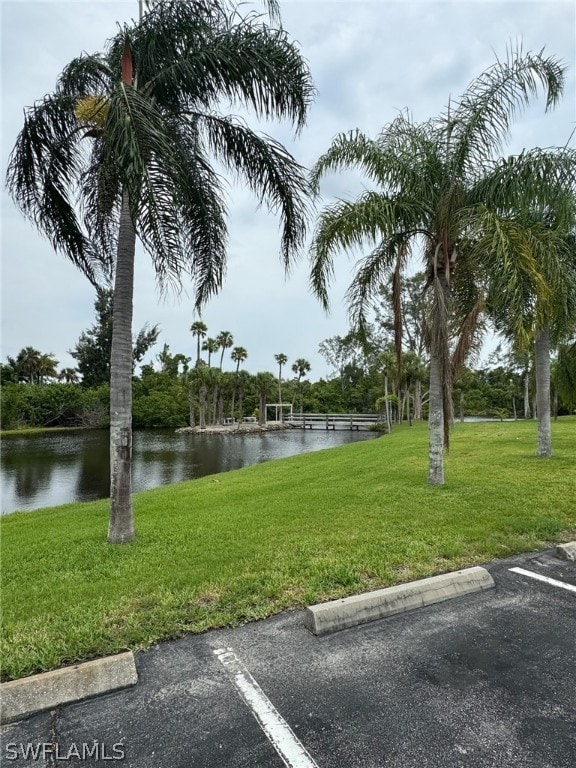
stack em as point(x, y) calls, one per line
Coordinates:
point(480, 124)
point(353, 149)
point(525, 272)
point(43, 173)
point(270, 172)
point(346, 225)
point(86, 76)
point(404, 157)
point(193, 55)
point(370, 272)
point(470, 334)
point(535, 179)
point(201, 210)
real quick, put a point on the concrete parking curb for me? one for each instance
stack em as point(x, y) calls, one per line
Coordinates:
point(566, 551)
point(29, 695)
point(330, 617)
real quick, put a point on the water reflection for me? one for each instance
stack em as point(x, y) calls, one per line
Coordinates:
point(44, 470)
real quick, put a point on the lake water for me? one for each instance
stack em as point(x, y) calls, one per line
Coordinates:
point(48, 469)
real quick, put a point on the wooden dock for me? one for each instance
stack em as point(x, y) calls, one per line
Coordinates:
point(350, 421)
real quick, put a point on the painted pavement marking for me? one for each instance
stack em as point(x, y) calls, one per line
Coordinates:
point(546, 579)
point(277, 730)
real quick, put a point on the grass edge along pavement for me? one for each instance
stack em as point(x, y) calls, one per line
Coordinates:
point(246, 544)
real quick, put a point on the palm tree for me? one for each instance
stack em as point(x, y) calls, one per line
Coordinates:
point(239, 354)
point(264, 382)
point(68, 375)
point(566, 374)
point(441, 188)
point(224, 340)
point(47, 365)
point(129, 134)
point(301, 367)
point(27, 363)
point(281, 359)
point(210, 346)
point(549, 316)
point(199, 329)
point(243, 380)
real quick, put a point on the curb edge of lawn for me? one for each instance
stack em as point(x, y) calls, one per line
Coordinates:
point(566, 551)
point(326, 618)
point(29, 695)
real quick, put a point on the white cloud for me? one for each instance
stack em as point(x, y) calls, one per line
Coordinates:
point(368, 60)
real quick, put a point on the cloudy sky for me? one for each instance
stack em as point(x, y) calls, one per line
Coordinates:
point(368, 60)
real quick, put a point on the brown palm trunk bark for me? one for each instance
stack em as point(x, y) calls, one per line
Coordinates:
point(121, 524)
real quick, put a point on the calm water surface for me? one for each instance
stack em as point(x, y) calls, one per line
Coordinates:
point(44, 470)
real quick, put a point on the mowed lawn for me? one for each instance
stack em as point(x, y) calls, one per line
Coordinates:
point(246, 544)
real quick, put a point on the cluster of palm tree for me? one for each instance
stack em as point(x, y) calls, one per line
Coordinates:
point(35, 367)
point(223, 341)
point(206, 382)
point(496, 234)
point(216, 396)
point(131, 133)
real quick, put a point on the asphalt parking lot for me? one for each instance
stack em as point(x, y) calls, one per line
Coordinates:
point(487, 680)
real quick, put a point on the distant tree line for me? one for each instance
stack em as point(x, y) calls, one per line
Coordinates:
point(365, 378)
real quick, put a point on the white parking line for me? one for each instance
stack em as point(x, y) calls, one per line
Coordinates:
point(279, 733)
point(546, 579)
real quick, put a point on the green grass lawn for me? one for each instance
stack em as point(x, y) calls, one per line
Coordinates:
point(246, 544)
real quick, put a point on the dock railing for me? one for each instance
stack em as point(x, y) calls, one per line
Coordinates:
point(349, 421)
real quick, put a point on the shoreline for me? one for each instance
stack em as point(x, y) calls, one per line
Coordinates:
point(239, 428)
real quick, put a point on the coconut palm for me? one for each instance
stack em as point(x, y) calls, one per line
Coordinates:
point(129, 134)
point(224, 340)
point(442, 188)
point(198, 329)
point(281, 359)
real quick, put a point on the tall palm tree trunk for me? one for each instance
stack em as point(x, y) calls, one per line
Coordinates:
point(387, 405)
point(542, 348)
point(262, 411)
point(527, 412)
point(435, 423)
point(202, 397)
point(121, 524)
point(240, 404)
point(191, 406)
point(418, 400)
